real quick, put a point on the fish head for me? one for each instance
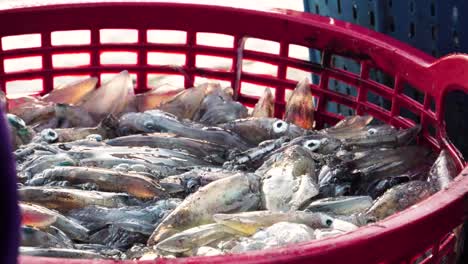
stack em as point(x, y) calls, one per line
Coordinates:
point(298, 159)
point(381, 135)
point(318, 143)
point(49, 135)
point(277, 128)
point(132, 123)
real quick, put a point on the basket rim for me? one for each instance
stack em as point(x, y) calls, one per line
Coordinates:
point(368, 236)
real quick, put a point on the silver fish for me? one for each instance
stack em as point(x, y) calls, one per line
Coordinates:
point(63, 199)
point(217, 108)
point(196, 147)
point(31, 213)
point(237, 193)
point(97, 217)
point(191, 180)
point(289, 180)
point(344, 205)
point(277, 235)
point(249, 223)
point(253, 158)
point(135, 184)
point(158, 121)
point(443, 171)
point(33, 237)
point(195, 237)
point(399, 198)
point(256, 130)
point(59, 253)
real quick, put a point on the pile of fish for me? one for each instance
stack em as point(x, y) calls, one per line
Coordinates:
point(105, 173)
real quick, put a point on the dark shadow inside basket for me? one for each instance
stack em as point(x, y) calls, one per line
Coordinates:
point(455, 116)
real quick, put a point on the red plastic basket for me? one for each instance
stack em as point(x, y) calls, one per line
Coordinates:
point(401, 238)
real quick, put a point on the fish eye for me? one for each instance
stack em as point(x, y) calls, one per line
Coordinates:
point(49, 135)
point(312, 144)
point(280, 126)
point(329, 222)
point(149, 125)
point(94, 137)
point(371, 131)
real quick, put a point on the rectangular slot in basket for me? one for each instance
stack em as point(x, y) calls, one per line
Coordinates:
point(215, 40)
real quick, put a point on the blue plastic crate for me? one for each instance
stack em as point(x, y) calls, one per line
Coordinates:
point(434, 26)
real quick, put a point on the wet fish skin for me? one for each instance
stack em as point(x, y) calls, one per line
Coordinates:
point(155, 170)
point(195, 237)
point(158, 121)
point(399, 198)
point(63, 199)
point(381, 136)
point(59, 253)
point(73, 116)
point(97, 217)
point(316, 143)
point(185, 104)
point(200, 148)
point(61, 235)
point(105, 251)
point(300, 106)
point(224, 112)
point(39, 163)
point(232, 194)
point(71, 93)
point(116, 237)
point(442, 171)
point(256, 130)
point(155, 97)
point(344, 205)
point(249, 223)
point(192, 180)
point(218, 107)
point(363, 168)
point(214, 96)
point(253, 158)
point(348, 126)
point(33, 237)
point(112, 97)
point(265, 106)
point(334, 189)
point(20, 133)
point(135, 184)
point(71, 228)
point(289, 180)
point(378, 187)
point(277, 235)
point(157, 163)
point(33, 215)
point(31, 109)
point(106, 129)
